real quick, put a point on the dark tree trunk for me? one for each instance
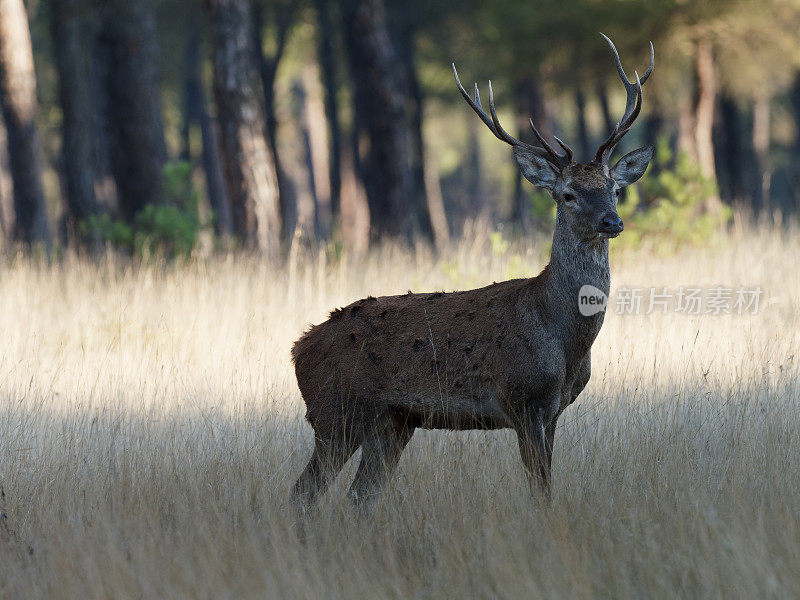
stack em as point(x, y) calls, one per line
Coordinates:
point(192, 93)
point(530, 106)
point(73, 61)
point(608, 120)
point(654, 126)
point(730, 151)
point(249, 163)
point(584, 143)
point(18, 101)
point(197, 112)
point(327, 63)
point(6, 189)
point(134, 122)
point(760, 142)
point(410, 88)
point(105, 187)
point(428, 202)
point(794, 98)
point(215, 177)
point(380, 108)
point(476, 187)
point(268, 68)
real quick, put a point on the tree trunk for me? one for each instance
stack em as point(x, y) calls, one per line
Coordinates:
point(134, 123)
point(6, 189)
point(794, 97)
point(410, 88)
point(654, 125)
point(731, 166)
point(268, 68)
point(476, 187)
point(215, 177)
point(355, 213)
point(608, 120)
point(704, 114)
point(18, 101)
point(686, 140)
point(433, 193)
point(315, 131)
point(530, 106)
point(379, 105)
point(104, 185)
point(192, 92)
point(197, 112)
point(584, 143)
point(249, 163)
point(761, 199)
point(72, 58)
point(327, 63)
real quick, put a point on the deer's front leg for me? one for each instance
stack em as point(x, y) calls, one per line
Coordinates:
point(533, 449)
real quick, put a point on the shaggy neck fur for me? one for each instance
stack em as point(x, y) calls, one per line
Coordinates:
point(574, 262)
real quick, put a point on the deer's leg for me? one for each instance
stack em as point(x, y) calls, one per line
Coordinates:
point(330, 455)
point(549, 435)
point(532, 440)
point(380, 453)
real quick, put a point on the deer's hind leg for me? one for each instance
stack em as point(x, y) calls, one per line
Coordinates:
point(380, 452)
point(533, 447)
point(332, 449)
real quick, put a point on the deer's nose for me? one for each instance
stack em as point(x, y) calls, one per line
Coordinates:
point(611, 223)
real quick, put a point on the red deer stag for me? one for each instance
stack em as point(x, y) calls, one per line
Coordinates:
point(512, 354)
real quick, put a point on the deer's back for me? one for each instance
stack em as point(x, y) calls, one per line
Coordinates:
point(422, 352)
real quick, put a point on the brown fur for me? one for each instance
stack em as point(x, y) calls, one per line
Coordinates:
point(512, 354)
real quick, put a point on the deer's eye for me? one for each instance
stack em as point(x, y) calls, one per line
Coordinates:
point(568, 197)
point(617, 192)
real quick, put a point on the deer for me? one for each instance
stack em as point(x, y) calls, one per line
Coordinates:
point(513, 354)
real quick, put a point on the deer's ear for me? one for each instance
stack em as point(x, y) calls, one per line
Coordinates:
point(632, 166)
point(535, 168)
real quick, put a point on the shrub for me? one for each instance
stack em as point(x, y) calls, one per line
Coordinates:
point(169, 228)
point(667, 209)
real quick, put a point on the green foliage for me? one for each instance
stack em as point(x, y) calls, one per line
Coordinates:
point(102, 227)
point(542, 208)
point(168, 229)
point(673, 205)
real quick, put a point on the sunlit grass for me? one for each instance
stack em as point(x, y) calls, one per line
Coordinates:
point(151, 427)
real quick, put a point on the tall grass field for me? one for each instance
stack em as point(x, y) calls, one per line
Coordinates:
point(151, 429)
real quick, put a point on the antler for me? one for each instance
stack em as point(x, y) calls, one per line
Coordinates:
point(559, 161)
point(633, 104)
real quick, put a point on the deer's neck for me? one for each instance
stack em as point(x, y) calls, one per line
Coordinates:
point(575, 263)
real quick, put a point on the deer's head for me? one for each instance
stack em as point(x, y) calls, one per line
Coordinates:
point(586, 193)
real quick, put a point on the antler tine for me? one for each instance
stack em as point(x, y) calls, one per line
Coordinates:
point(633, 102)
point(650, 66)
point(540, 138)
point(493, 123)
point(553, 157)
point(475, 104)
point(567, 149)
point(499, 131)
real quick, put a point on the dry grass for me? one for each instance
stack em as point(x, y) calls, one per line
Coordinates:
point(150, 428)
